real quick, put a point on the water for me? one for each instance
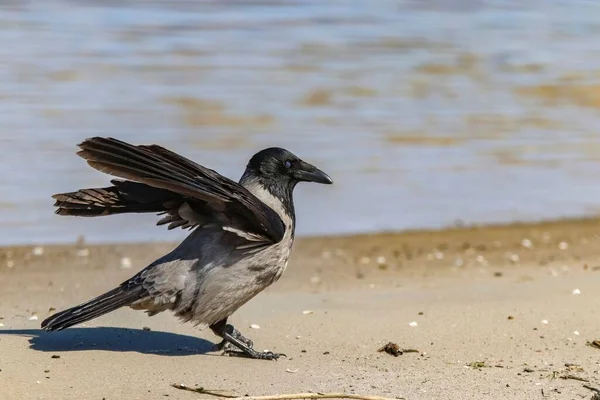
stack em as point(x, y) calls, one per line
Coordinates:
point(424, 113)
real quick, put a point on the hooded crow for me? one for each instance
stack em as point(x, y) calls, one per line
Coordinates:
point(240, 241)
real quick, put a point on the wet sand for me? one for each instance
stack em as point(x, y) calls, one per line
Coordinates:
point(494, 312)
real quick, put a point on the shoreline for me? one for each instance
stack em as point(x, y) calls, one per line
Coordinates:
point(344, 261)
point(494, 312)
point(450, 229)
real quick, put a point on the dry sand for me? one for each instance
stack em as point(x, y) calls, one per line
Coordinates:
point(495, 313)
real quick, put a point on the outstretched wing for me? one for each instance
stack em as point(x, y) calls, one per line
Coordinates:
point(159, 180)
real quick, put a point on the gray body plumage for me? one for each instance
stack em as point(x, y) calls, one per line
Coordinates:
point(206, 278)
point(242, 233)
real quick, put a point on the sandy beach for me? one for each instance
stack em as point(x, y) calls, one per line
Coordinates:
point(424, 113)
point(492, 312)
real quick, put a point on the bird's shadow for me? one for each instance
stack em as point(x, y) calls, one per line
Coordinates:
point(114, 339)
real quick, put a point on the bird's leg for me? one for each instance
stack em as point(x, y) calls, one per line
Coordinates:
point(220, 328)
point(233, 338)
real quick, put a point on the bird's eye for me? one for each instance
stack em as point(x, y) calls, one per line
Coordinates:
point(288, 164)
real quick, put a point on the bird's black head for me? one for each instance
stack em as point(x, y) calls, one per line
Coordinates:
point(280, 170)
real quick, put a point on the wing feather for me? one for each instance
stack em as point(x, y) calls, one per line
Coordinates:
point(159, 180)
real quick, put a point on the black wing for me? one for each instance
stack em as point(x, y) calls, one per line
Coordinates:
point(162, 181)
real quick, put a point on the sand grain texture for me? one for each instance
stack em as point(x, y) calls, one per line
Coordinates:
point(478, 297)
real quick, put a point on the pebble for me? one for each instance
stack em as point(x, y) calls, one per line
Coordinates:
point(576, 333)
point(563, 245)
point(413, 324)
point(254, 326)
point(307, 312)
point(545, 321)
point(514, 258)
point(1, 325)
point(439, 255)
point(125, 262)
point(527, 243)
point(10, 263)
point(33, 318)
point(576, 291)
point(291, 371)
point(37, 251)
point(381, 260)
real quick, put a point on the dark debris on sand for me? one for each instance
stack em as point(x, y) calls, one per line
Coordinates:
point(395, 350)
point(594, 343)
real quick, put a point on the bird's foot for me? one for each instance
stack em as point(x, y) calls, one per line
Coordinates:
point(258, 355)
point(235, 338)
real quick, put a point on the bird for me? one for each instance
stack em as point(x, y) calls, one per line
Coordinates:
point(241, 233)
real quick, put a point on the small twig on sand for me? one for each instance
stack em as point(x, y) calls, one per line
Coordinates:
point(291, 396)
point(593, 389)
point(574, 377)
point(201, 390)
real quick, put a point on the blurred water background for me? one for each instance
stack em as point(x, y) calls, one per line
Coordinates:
point(425, 113)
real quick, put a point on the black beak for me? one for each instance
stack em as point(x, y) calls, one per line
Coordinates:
point(309, 173)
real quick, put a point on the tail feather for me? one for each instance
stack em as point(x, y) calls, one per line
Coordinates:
point(103, 304)
point(123, 197)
